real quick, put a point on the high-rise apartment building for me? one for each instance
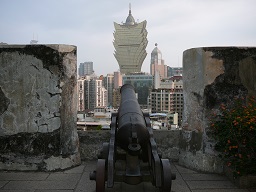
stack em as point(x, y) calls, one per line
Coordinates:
point(116, 98)
point(101, 94)
point(117, 79)
point(91, 93)
point(108, 83)
point(130, 42)
point(169, 97)
point(85, 68)
point(81, 94)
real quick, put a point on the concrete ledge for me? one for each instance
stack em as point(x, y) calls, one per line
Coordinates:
point(201, 162)
point(91, 143)
point(246, 181)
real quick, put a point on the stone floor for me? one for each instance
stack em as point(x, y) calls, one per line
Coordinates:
point(77, 180)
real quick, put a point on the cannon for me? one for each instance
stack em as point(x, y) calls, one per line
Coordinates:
point(131, 155)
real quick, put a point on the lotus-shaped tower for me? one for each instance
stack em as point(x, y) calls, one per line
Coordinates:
point(130, 42)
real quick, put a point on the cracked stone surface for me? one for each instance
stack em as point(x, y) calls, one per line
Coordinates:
point(211, 76)
point(38, 97)
point(33, 93)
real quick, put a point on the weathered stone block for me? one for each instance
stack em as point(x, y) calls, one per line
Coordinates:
point(211, 76)
point(168, 143)
point(38, 105)
point(245, 181)
point(91, 143)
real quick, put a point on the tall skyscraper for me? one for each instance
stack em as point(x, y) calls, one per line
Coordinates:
point(108, 83)
point(130, 42)
point(117, 79)
point(157, 63)
point(85, 68)
point(116, 98)
point(81, 94)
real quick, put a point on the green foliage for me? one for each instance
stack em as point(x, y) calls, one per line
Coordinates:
point(234, 129)
point(99, 127)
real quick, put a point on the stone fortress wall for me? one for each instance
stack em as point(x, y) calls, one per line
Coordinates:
point(211, 76)
point(38, 108)
point(91, 143)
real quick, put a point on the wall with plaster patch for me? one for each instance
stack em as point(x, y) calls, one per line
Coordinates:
point(38, 106)
point(211, 76)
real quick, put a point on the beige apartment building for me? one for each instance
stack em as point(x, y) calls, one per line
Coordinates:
point(168, 98)
point(116, 98)
point(91, 93)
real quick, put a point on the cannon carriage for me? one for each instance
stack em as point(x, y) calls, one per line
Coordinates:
point(131, 155)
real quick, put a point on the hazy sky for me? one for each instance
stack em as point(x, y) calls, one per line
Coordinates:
point(176, 25)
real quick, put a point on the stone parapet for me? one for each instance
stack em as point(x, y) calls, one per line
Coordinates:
point(38, 107)
point(211, 76)
point(91, 143)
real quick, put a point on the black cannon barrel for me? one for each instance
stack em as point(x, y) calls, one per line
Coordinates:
point(131, 122)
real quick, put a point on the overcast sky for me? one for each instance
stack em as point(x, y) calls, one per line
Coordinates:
point(176, 25)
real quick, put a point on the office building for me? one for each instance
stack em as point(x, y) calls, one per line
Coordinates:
point(174, 71)
point(116, 98)
point(85, 68)
point(108, 83)
point(142, 83)
point(157, 66)
point(117, 79)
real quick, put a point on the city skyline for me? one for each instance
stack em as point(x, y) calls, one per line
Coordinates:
point(175, 25)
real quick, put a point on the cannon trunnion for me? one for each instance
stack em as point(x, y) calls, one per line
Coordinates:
point(131, 155)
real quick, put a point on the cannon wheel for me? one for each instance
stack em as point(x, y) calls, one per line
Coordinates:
point(166, 176)
point(105, 151)
point(100, 175)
